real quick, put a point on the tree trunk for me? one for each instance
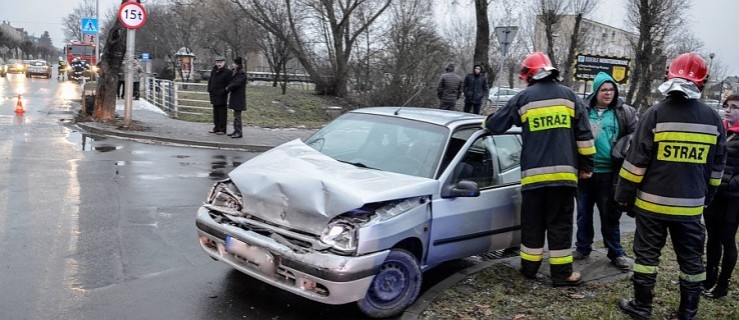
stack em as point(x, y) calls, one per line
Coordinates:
point(110, 67)
point(549, 30)
point(567, 70)
point(482, 39)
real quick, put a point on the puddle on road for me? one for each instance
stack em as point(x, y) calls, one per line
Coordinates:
point(84, 142)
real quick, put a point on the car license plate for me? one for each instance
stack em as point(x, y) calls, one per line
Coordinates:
point(255, 256)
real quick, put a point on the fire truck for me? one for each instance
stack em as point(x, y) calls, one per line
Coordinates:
point(86, 66)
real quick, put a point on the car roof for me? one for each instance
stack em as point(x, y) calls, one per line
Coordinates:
point(446, 118)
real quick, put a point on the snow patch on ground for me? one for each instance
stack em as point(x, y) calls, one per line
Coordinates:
point(141, 104)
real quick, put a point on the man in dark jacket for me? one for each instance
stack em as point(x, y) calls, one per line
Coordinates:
point(475, 90)
point(237, 99)
point(557, 149)
point(220, 77)
point(673, 168)
point(610, 119)
point(449, 89)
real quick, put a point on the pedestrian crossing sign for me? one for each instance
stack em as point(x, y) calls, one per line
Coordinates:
point(89, 25)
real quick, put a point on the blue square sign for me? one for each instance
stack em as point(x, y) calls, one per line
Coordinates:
point(89, 25)
point(144, 56)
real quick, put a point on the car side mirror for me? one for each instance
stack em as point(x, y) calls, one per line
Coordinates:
point(463, 188)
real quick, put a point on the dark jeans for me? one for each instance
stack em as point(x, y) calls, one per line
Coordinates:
point(598, 191)
point(546, 212)
point(721, 227)
point(237, 123)
point(220, 118)
point(475, 107)
point(447, 105)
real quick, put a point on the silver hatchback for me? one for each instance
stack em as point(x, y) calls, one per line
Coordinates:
point(364, 206)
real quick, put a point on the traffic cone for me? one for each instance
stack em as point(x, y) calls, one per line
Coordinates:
point(19, 106)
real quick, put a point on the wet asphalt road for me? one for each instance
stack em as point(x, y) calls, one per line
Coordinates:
point(98, 228)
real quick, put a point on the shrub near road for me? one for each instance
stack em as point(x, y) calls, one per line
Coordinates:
point(266, 106)
point(500, 292)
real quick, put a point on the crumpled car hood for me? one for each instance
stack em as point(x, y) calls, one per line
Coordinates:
point(298, 187)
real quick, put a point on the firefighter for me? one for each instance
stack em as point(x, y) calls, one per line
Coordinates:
point(62, 69)
point(674, 166)
point(557, 150)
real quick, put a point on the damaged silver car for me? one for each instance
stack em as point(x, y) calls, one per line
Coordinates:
point(363, 207)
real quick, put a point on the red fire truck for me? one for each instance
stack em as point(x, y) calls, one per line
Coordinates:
point(85, 53)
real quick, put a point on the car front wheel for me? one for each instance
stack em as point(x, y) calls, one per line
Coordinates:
point(394, 288)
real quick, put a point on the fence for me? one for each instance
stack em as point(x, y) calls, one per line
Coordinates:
point(177, 98)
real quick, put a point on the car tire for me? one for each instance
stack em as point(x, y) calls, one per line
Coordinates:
point(395, 286)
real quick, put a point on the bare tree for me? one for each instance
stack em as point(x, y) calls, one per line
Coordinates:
point(549, 13)
point(110, 66)
point(72, 25)
point(655, 21)
point(334, 23)
point(458, 35)
point(277, 53)
point(482, 38)
point(580, 9)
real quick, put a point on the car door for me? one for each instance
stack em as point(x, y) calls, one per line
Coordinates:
point(464, 226)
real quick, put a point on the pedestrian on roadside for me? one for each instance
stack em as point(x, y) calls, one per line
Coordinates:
point(475, 90)
point(220, 77)
point(237, 99)
point(449, 89)
point(120, 91)
point(610, 120)
point(552, 119)
point(137, 70)
point(672, 171)
point(722, 215)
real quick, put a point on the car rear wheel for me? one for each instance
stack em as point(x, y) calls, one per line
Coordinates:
point(395, 286)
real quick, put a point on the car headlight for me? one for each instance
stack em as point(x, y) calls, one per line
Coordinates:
point(69, 68)
point(340, 235)
point(94, 69)
point(225, 198)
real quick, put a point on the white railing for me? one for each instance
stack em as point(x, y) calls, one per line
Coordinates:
point(176, 98)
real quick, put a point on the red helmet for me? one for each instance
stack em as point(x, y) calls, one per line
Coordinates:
point(689, 66)
point(536, 66)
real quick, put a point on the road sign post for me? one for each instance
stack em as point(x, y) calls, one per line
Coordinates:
point(505, 37)
point(132, 16)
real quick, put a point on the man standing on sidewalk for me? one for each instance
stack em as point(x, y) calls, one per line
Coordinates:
point(557, 149)
point(220, 77)
point(610, 119)
point(673, 169)
point(237, 100)
point(449, 89)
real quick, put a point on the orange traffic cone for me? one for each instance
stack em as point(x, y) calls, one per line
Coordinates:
point(19, 106)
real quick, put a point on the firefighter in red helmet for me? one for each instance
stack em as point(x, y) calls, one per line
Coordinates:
point(557, 151)
point(671, 173)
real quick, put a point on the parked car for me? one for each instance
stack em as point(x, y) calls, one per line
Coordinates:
point(716, 105)
point(498, 97)
point(3, 68)
point(365, 205)
point(16, 66)
point(38, 68)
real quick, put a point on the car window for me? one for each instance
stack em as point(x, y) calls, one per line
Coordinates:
point(37, 63)
point(455, 144)
point(384, 143)
point(476, 165)
point(508, 149)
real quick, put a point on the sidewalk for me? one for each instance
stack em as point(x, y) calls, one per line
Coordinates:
point(151, 124)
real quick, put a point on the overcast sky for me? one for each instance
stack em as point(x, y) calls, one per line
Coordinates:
point(711, 21)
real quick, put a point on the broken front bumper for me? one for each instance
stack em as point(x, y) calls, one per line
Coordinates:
point(319, 276)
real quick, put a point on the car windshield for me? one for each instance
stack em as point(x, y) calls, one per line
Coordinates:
point(81, 50)
point(383, 143)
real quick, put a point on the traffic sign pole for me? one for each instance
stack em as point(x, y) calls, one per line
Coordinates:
point(132, 16)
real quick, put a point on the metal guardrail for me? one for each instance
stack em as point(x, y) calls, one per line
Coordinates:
point(177, 98)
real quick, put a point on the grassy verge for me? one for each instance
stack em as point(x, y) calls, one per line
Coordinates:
point(268, 107)
point(500, 292)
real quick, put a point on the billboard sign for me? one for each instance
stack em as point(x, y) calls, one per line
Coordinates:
point(587, 67)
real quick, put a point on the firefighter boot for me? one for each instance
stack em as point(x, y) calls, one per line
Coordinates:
point(690, 293)
point(641, 306)
point(530, 269)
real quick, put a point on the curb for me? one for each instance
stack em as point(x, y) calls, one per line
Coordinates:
point(145, 137)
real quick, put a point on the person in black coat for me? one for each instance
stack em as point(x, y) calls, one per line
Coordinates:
point(219, 78)
point(475, 90)
point(237, 100)
point(722, 215)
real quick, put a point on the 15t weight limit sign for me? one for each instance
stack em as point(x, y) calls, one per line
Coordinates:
point(132, 15)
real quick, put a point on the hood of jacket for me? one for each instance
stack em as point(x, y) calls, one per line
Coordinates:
point(598, 81)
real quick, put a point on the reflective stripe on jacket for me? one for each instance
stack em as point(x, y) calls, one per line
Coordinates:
point(676, 160)
point(557, 141)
